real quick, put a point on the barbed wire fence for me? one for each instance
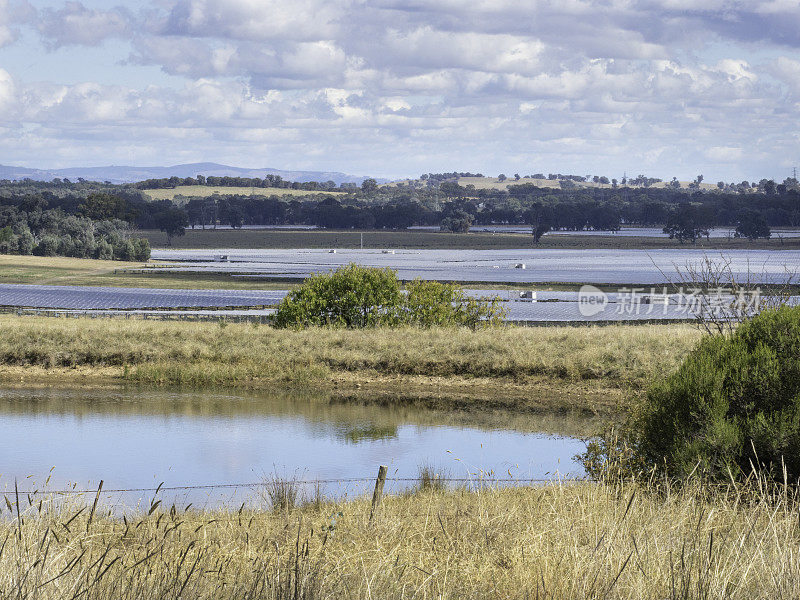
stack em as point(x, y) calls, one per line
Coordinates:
point(15, 498)
point(477, 480)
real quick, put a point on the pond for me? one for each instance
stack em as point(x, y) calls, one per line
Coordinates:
point(139, 438)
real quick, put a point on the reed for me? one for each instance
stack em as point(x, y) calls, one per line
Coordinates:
point(563, 540)
point(431, 478)
point(282, 492)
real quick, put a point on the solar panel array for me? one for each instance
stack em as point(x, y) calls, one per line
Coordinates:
point(569, 312)
point(627, 267)
point(99, 301)
point(550, 306)
point(83, 298)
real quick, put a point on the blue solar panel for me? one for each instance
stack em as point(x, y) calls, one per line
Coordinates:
point(556, 307)
point(628, 267)
point(75, 297)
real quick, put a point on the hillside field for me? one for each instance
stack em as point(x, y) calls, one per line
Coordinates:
point(493, 183)
point(207, 190)
point(483, 183)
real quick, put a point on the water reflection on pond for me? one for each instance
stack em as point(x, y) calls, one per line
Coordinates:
point(141, 437)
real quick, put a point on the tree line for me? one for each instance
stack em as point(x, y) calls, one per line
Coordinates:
point(683, 215)
point(31, 228)
point(268, 181)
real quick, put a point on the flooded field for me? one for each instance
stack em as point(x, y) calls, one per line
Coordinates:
point(135, 438)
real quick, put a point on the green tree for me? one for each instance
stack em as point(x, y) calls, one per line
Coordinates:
point(752, 225)
point(541, 220)
point(369, 186)
point(172, 221)
point(101, 206)
point(686, 224)
point(458, 222)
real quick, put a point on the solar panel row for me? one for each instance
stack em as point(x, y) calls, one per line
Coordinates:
point(631, 267)
point(73, 297)
point(562, 306)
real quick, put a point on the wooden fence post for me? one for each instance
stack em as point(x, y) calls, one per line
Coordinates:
point(376, 495)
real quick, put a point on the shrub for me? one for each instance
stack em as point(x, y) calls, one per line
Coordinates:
point(141, 249)
point(434, 304)
point(355, 296)
point(351, 296)
point(732, 406)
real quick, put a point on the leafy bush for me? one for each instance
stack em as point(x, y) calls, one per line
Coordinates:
point(351, 296)
point(732, 406)
point(355, 297)
point(434, 304)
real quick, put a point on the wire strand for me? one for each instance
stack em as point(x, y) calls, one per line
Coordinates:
point(255, 485)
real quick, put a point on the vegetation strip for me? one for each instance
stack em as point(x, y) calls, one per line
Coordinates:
point(502, 367)
point(582, 540)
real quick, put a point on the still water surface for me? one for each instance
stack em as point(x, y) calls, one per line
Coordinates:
point(134, 438)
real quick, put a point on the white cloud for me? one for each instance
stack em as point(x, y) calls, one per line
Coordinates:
point(572, 80)
point(7, 92)
point(76, 24)
point(724, 153)
point(788, 71)
point(12, 14)
point(256, 20)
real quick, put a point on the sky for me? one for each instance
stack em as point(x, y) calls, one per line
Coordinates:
point(396, 88)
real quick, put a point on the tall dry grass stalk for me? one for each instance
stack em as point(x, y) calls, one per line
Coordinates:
point(559, 541)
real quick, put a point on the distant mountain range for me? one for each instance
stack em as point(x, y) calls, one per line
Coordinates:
point(122, 174)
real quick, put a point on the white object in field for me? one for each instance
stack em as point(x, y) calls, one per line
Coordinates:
point(519, 266)
point(387, 251)
point(221, 258)
point(333, 251)
point(654, 299)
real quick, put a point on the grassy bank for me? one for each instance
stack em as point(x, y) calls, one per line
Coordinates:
point(59, 270)
point(560, 541)
point(589, 368)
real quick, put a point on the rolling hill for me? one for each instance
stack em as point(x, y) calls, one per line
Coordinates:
point(128, 174)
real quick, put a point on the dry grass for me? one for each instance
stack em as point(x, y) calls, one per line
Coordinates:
point(55, 269)
point(561, 541)
point(493, 183)
point(59, 270)
point(208, 190)
point(204, 354)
